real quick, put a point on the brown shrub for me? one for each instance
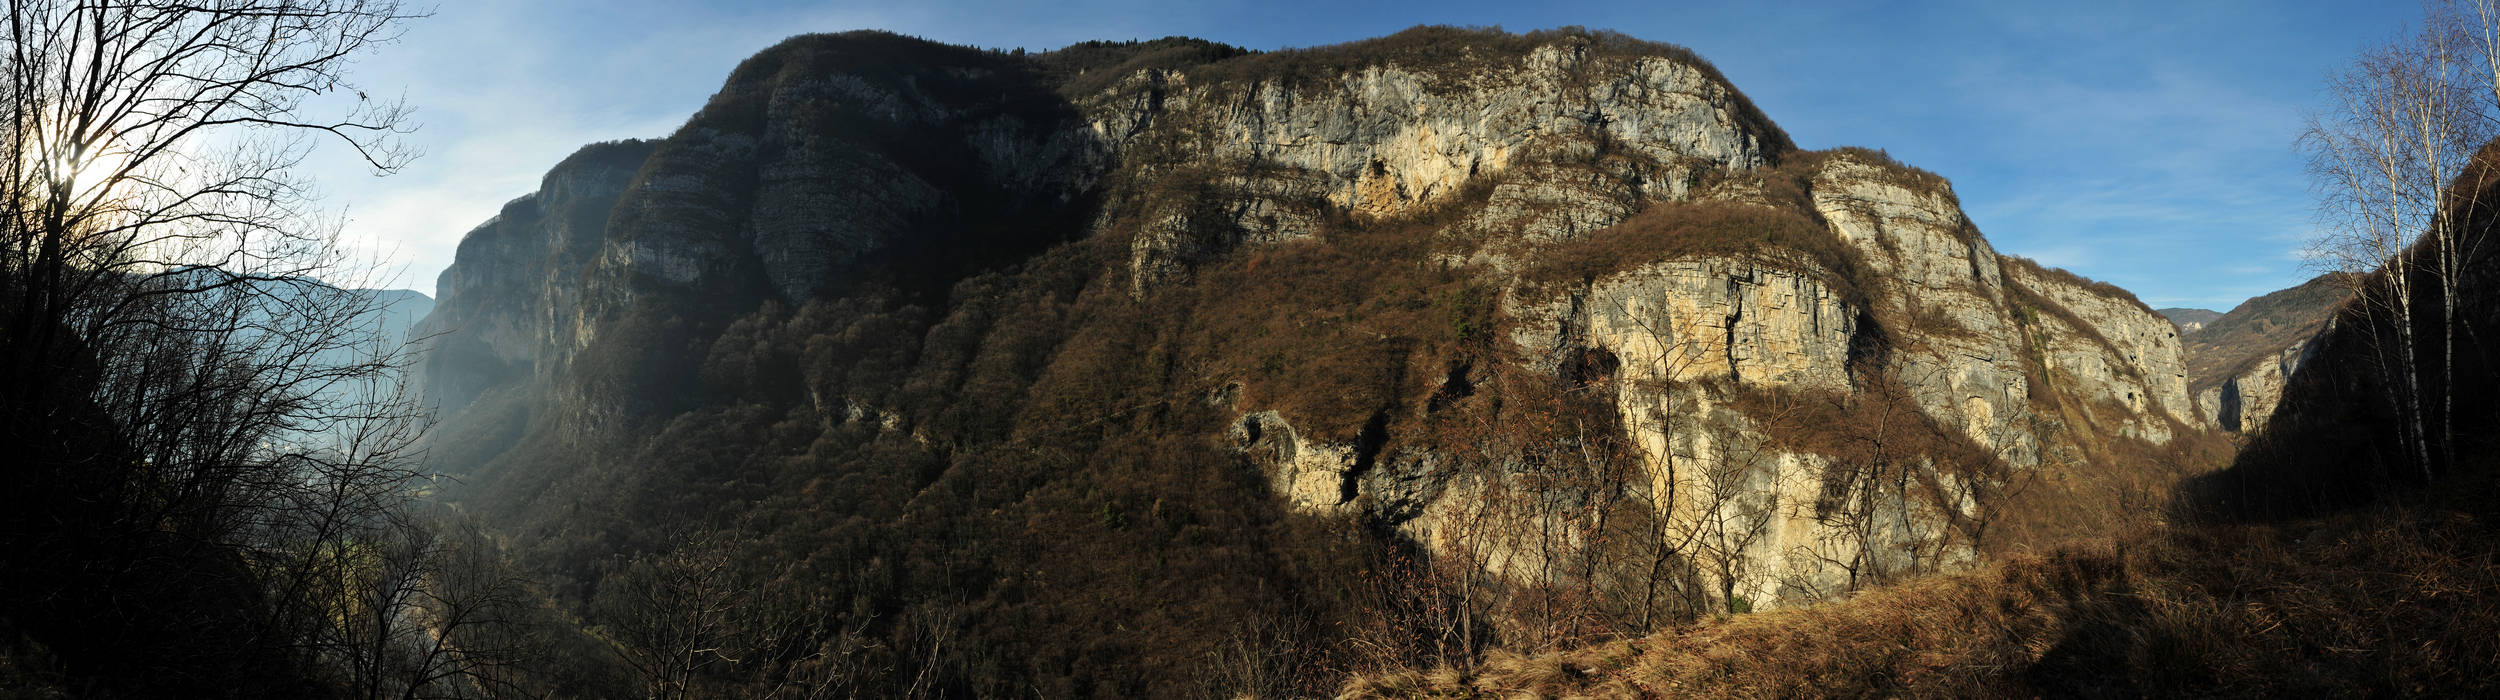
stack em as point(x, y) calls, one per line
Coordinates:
point(2062, 275)
point(1089, 67)
point(1340, 327)
point(1776, 237)
point(2395, 601)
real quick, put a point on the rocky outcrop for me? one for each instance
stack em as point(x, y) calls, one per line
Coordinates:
point(1381, 140)
point(1678, 333)
point(2190, 320)
point(832, 160)
point(1312, 476)
point(2111, 350)
point(2243, 401)
point(509, 308)
point(2240, 362)
point(1946, 288)
point(2015, 360)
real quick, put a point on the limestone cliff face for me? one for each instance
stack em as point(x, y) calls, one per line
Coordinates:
point(1681, 334)
point(1382, 140)
point(2240, 362)
point(2113, 351)
point(1734, 376)
point(509, 308)
point(2243, 401)
point(818, 164)
point(1959, 353)
point(2024, 364)
point(1957, 322)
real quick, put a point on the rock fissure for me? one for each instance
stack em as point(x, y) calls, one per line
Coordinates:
point(1367, 446)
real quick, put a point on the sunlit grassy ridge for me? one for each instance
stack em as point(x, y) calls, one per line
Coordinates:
point(2396, 600)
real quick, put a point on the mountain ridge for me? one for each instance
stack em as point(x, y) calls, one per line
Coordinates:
point(2239, 364)
point(2189, 320)
point(884, 300)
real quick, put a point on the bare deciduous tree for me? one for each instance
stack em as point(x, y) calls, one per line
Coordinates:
point(2408, 117)
point(1673, 353)
point(674, 616)
point(209, 422)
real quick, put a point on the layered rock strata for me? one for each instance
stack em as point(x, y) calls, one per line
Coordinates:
point(823, 157)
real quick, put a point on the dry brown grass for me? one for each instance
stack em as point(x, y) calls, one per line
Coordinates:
point(1780, 237)
point(2063, 275)
point(2396, 600)
point(1939, 635)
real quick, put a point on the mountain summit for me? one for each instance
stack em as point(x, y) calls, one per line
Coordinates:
point(1181, 356)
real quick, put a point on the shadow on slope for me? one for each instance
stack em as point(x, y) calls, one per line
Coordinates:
point(2338, 439)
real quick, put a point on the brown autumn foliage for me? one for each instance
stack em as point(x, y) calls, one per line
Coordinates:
point(1004, 482)
point(1669, 230)
point(2383, 602)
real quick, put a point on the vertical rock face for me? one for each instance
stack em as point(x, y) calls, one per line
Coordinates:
point(1680, 334)
point(1960, 347)
point(2113, 351)
point(822, 162)
point(2243, 401)
point(510, 305)
point(1734, 364)
point(2239, 362)
point(1382, 140)
point(1689, 320)
point(1386, 137)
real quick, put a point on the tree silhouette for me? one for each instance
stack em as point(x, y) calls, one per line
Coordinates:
point(211, 443)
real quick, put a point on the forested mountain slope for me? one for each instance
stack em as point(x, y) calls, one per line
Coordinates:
point(991, 373)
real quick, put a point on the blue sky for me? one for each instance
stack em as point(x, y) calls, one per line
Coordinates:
point(2146, 144)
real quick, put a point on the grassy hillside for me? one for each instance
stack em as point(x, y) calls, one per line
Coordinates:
point(2394, 600)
